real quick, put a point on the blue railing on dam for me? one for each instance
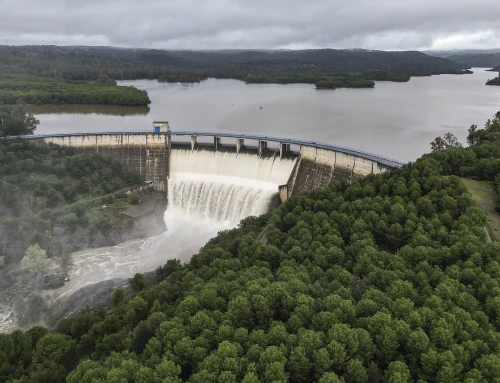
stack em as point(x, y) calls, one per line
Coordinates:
point(374, 157)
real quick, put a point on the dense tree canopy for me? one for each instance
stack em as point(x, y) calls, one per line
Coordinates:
point(38, 90)
point(481, 160)
point(387, 279)
point(327, 68)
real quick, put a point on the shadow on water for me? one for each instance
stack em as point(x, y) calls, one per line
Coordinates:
point(110, 110)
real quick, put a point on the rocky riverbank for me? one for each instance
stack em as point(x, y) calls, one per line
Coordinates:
point(47, 297)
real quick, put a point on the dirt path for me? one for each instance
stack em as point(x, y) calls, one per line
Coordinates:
point(482, 192)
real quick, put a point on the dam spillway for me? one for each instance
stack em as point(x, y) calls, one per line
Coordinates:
point(151, 154)
point(223, 186)
point(210, 186)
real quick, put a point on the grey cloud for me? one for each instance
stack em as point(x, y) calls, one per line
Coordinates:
point(212, 24)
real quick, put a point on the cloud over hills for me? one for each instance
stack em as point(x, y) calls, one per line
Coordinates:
point(287, 24)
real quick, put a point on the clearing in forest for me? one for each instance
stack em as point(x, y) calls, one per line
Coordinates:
point(482, 192)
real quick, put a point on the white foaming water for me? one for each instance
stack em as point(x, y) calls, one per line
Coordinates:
point(219, 198)
point(6, 322)
point(222, 186)
point(244, 165)
point(207, 192)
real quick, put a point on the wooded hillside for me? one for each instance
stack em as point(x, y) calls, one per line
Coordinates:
point(350, 68)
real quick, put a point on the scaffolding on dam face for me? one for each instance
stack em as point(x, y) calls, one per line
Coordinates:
point(389, 162)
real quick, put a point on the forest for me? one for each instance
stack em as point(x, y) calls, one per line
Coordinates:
point(327, 68)
point(386, 279)
point(494, 81)
point(53, 197)
point(42, 90)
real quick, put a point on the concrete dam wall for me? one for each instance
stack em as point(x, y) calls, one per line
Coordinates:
point(160, 159)
point(146, 154)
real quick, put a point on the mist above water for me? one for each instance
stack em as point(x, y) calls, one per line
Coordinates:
point(221, 186)
point(208, 192)
point(217, 198)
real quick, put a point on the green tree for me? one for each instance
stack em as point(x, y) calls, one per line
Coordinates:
point(438, 144)
point(398, 372)
point(35, 259)
point(355, 372)
point(471, 138)
point(15, 120)
point(137, 282)
point(451, 141)
point(105, 80)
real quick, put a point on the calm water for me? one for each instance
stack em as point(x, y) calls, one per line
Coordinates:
point(396, 120)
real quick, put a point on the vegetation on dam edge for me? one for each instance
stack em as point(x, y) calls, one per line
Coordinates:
point(387, 279)
point(53, 196)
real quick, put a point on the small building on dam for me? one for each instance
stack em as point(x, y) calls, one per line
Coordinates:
point(163, 156)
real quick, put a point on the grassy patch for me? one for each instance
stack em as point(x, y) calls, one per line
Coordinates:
point(484, 195)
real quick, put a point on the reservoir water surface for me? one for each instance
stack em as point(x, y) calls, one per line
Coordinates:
point(396, 120)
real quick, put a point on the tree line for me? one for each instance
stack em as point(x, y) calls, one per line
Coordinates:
point(386, 279)
point(324, 67)
point(40, 90)
point(494, 81)
point(480, 160)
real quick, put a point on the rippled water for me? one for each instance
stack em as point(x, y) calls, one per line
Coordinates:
point(139, 256)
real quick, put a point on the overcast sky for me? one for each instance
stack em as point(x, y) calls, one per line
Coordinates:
point(283, 24)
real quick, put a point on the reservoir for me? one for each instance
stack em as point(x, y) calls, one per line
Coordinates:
point(396, 120)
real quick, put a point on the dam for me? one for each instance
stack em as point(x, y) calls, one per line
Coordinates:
point(212, 182)
point(221, 178)
point(287, 166)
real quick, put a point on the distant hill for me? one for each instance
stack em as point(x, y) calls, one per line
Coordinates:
point(459, 52)
point(346, 68)
point(480, 60)
point(332, 58)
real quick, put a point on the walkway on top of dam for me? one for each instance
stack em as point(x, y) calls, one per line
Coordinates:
point(374, 157)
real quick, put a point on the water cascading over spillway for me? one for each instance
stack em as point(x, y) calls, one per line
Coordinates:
point(223, 187)
point(207, 192)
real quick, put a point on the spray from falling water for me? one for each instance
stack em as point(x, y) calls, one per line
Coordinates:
point(207, 193)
